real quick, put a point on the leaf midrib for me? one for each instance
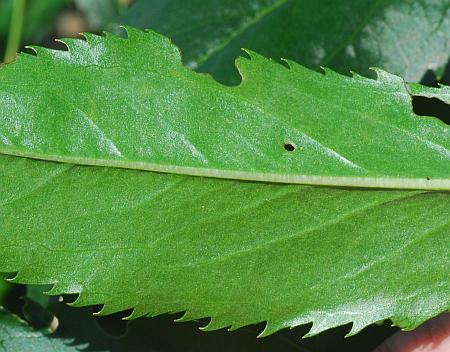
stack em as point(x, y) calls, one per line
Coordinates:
point(341, 181)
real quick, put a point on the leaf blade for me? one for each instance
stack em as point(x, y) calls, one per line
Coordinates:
point(186, 253)
point(170, 119)
point(239, 252)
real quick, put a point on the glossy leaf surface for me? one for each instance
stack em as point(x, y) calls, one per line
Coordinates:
point(119, 107)
point(240, 252)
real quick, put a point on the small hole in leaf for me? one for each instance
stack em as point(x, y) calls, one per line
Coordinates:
point(423, 106)
point(428, 179)
point(290, 147)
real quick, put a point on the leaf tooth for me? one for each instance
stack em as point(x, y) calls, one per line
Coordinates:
point(134, 34)
point(93, 39)
point(316, 329)
point(24, 57)
point(249, 60)
point(40, 51)
point(74, 45)
point(83, 300)
point(48, 54)
point(237, 325)
point(252, 55)
point(188, 316)
point(286, 63)
point(331, 73)
point(33, 48)
point(411, 320)
point(356, 76)
point(131, 32)
point(299, 69)
point(56, 289)
point(255, 59)
point(27, 275)
point(291, 64)
point(120, 35)
point(214, 324)
point(66, 42)
point(126, 29)
point(13, 278)
point(248, 65)
point(109, 308)
point(137, 36)
point(136, 312)
point(386, 77)
point(357, 326)
point(403, 322)
point(271, 328)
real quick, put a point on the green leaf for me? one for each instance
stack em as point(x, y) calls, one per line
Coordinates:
point(118, 107)
point(404, 37)
point(442, 93)
point(239, 252)
point(15, 336)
